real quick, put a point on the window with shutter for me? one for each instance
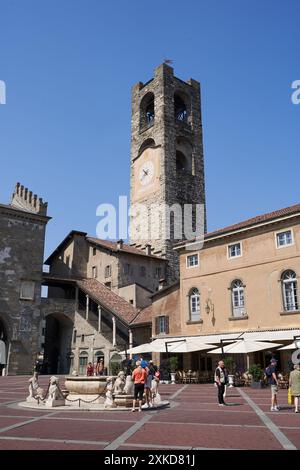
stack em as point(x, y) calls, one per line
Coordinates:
point(167, 325)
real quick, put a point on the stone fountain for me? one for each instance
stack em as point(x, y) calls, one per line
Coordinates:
point(93, 393)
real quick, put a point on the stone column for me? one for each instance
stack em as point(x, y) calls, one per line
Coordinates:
point(114, 331)
point(99, 318)
point(130, 341)
point(87, 307)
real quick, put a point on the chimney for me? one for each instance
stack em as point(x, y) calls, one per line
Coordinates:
point(162, 284)
point(120, 244)
point(148, 249)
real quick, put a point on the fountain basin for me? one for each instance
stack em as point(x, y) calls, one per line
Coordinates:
point(94, 385)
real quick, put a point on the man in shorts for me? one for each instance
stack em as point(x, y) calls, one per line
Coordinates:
point(273, 381)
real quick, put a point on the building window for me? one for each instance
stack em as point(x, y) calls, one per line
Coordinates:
point(290, 291)
point(158, 272)
point(238, 298)
point(131, 301)
point(284, 238)
point(107, 271)
point(68, 261)
point(194, 304)
point(162, 325)
point(82, 338)
point(108, 284)
point(180, 111)
point(94, 272)
point(126, 268)
point(234, 250)
point(74, 336)
point(94, 251)
point(43, 331)
point(27, 290)
point(147, 112)
point(83, 360)
point(143, 271)
point(192, 261)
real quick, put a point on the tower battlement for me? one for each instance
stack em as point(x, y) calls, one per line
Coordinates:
point(24, 199)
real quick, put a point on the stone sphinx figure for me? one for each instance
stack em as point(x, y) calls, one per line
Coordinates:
point(54, 392)
point(55, 396)
point(35, 391)
point(109, 400)
point(129, 386)
point(119, 384)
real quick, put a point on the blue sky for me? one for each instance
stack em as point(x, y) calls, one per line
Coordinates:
point(69, 67)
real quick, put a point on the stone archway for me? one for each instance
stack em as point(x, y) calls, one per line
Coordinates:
point(58, 341)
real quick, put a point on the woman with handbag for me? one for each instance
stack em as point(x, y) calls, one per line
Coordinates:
point(294, 383)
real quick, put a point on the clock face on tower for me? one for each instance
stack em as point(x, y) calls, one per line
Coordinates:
point(146, 170)
point(146, 173)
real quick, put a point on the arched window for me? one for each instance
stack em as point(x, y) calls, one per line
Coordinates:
point(147, 113)
point(115, 364)
point(83, 360)
point(148, 143)
point(238, 298)
point(180, 111)
point(181, 164)
point(290, 290)
point(194, 303)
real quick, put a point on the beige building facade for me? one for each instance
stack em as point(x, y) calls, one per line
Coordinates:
point(240, 279)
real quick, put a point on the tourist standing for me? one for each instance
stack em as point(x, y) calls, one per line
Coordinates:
point(100, 367)
point(221, 379)
point(148, 384)
point(90, 370)
point(294, 383)
point(139, 376)
point(271, 374)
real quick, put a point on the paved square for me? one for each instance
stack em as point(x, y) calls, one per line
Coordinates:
point(193, 421)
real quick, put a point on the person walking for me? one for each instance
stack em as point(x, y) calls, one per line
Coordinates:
point(148, 384)
point(221, 379)
point(271, 374)
point(294, 383)
point(139, 376)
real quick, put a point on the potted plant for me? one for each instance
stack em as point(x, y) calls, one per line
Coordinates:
point(230, 366)
point(257, 374)
point(173, 362)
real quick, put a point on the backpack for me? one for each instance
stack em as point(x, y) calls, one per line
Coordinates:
point(268, 371)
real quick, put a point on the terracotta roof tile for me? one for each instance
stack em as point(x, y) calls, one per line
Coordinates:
point(144, 316)
point(110, 245)
point(251, 222)
point(257, 220)
point(108, 298)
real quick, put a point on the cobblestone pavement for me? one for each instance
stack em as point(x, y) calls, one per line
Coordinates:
point(193, 421)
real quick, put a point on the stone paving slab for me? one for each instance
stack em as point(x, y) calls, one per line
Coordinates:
point(193, 420)
point(216, 417)
point(14, 444)
point(205, 436)
point(77, 430)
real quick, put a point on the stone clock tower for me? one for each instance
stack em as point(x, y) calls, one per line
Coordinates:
point(167, 165)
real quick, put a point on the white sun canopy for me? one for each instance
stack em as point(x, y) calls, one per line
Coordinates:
point(208, 341)
point(245, 347)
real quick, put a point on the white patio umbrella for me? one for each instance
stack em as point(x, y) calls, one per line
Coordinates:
point(290, 347)
point(154, 346)
point(189, 345)
point(245, 346)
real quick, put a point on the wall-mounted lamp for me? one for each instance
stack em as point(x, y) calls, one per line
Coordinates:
point(209, 306)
